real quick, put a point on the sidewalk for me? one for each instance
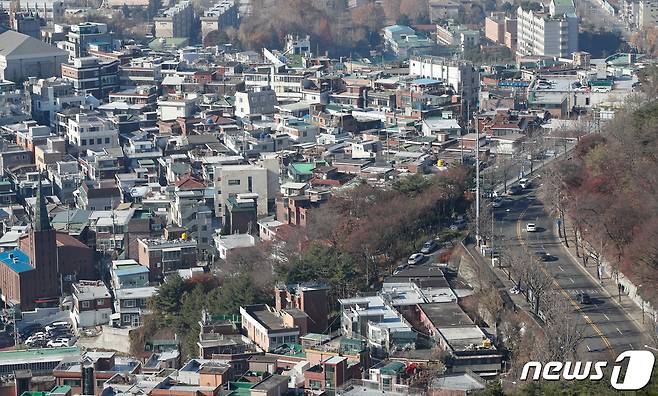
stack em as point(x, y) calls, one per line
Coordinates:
point(609, 284)
point(500, 280)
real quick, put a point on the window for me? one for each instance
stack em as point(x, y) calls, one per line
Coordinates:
point(85, 304)
point(83, 142)
point(99, 141)
point(100, 301)
point(249, 183)
point(107, 140)
point(129, 303)
point(234, 182)
point(74, 383)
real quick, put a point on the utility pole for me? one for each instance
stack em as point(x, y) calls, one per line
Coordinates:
point(461, 135)
point(477, 182)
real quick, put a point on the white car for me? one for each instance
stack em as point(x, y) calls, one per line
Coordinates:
point(524, 183)
point(57, 326)
point(36, 336)
point(59, 342)
point(531, 227)
point(416, 259)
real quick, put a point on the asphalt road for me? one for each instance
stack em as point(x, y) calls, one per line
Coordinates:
point(608, 330)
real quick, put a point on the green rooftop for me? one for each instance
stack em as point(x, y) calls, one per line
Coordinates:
point(61, 389)
point(229, 318)
point(303, 168)
point(8, 356)
point(392, 368)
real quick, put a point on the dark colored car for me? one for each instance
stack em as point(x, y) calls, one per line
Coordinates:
point(583, 298)
point(542, 256)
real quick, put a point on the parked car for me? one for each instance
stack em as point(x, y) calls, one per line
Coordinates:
point(531, 227)
point(37, 336)
point(36, 343)
point(515, 290)
point(525, 183)
point(583, 298)
point(515, 190)
point(429, 247)
point(30, 329)
point(60, 342)
point(458, 225)
point(399, 268)
point(497, 202)
point(58, 326)
point(416, 259)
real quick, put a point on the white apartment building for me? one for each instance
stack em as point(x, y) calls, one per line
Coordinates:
point(231, 180)
point(91, 132)
point(552, 34)
point(172, 108)
point(92, 304)
point(647, 13)
point(247, 103)
point(460, 75)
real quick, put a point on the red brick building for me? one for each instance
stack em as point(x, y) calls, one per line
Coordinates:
point(312, 299)
point(30, 276)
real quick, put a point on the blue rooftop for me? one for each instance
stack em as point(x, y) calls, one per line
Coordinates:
point(16, 260)
point(425, 81)
point(131, 270)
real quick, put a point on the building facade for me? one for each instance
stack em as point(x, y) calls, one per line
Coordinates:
point(176, 21)
point(552, 34)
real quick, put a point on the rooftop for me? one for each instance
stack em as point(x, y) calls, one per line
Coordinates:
point(38, 355)
point(16, 260)
point(264, 315)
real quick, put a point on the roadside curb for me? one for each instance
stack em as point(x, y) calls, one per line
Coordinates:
point(632, 316)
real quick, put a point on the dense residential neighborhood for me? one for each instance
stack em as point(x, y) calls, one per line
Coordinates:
point(327, 197)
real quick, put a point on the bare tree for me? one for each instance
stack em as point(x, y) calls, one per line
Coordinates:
point(537, 281)
point(563, 328)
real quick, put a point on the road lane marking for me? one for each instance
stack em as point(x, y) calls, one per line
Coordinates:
point(560, 267)
point(573, 302)
point(606, 316)
point(572, 281)
point(588, 348)
point(619, 330)
point(631, 345)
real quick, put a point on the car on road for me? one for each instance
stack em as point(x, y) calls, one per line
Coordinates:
point(583, 298)
point(416, 259)
point(429, 247)
point(514, 190)
point(497, 202)
point(531, 227)
point(400, 268)
point(525, 183)
point(541, 255)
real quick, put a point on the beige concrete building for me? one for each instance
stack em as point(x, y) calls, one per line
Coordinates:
point(220, 16)
point(176, 21)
